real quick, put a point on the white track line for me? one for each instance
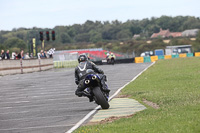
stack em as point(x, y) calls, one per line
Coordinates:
point(129, 82)
point(98, 107)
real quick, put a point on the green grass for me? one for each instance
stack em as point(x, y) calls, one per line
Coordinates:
point(175, 86)
point(65, 64)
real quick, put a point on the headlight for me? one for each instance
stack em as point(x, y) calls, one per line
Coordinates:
point(87, 81)
point(94, 77)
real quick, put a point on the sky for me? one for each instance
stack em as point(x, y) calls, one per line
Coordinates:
point(51, 13)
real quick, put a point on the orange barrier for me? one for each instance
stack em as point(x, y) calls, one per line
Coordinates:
point(182, 55)
point(197, 54)
point(168, 56)
point(154, 58)
point(139, 59)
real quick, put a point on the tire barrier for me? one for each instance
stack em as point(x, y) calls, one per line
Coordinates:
point(155, 58)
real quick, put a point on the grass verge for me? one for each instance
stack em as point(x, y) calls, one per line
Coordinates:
point(65, 64)
point(172, 84)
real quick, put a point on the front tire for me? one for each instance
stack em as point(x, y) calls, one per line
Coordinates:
point(100, 99)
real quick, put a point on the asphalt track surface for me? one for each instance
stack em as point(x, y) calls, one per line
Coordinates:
point(44, 102)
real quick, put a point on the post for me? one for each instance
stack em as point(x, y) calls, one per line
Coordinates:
point(43, 46)
point(40, 64)
point(34, 48)
point(21, 66)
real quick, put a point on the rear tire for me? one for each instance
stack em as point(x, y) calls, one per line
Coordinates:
point(100, 99)
point(112, 61)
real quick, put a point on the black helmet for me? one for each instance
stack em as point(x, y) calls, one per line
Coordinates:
point(82, 58)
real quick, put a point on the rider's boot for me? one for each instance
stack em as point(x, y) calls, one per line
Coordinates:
point(88, 95)
point(83, 93)
point(104, 86)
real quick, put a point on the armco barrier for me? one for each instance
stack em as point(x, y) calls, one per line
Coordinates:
point(24, 66)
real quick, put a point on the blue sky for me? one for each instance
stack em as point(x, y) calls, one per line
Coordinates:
point(51, 13)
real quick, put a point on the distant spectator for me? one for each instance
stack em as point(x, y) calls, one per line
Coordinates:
point(22, 54)
point(38, 55)
point(31, 55)
point(2, 54)
point(42, 56)
point(108, 54)
point(27, 56)
point(15, 54)
point(8, 54)
point(19, 56)
point(45, 54)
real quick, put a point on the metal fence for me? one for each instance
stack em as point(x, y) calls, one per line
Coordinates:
point(65, 56)
point(70, 55)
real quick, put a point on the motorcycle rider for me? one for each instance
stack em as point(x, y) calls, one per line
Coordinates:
point(80, 71)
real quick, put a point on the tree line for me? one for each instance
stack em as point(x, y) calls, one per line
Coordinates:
point(98, 34)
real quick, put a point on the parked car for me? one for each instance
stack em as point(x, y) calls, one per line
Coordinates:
point(147, 53)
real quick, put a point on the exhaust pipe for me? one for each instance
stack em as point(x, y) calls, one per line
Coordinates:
point(87, 82)
point(94, 77)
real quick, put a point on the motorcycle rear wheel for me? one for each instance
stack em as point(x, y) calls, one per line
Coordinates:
point(100, 99)
point(112, 61)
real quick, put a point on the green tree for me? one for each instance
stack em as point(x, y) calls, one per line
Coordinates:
point(95, 36)
point(124, 34)
point(71, 32)
point(196, 44)
point(198, 37)
point(84, 37)
point(2, 47)
point(65, 38)
point(15, 42)
point(135, 30)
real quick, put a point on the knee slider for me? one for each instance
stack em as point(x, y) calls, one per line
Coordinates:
point(79, 94)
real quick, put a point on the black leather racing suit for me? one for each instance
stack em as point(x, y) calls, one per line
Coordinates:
point(80, 70)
